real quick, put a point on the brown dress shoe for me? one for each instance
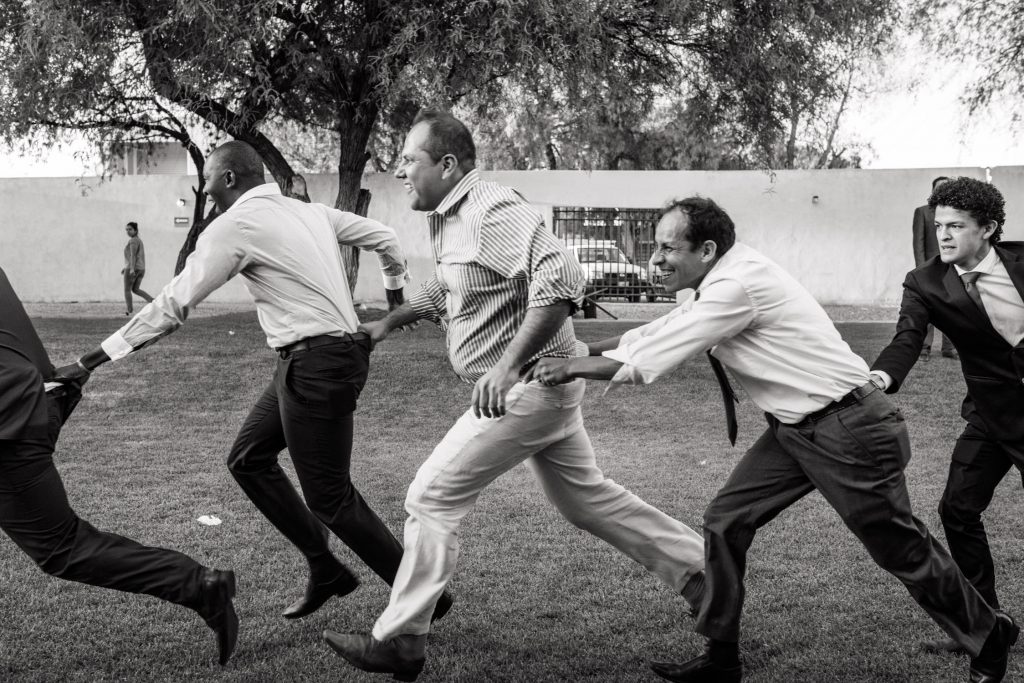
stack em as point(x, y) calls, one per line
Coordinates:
point(402, 656)
point(319, 593)
point(990, 664)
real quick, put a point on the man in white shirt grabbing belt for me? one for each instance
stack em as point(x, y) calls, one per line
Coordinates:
point(287, 252)
point(829, 428)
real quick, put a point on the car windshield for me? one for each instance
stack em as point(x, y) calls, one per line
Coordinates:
point(601, 255)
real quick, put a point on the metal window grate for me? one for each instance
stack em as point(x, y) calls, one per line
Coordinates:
point(614, 247)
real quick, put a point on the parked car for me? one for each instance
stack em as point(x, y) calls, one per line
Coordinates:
point(611, 274)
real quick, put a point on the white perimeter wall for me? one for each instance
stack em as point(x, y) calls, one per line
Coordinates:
point(61, 239)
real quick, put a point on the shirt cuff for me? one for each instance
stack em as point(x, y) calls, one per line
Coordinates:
point(885, 377)
point(395, 281)
point(116, 347)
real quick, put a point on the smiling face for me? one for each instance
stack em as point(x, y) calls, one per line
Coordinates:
point(426, 180)
point(679, 263)
point(962, 240)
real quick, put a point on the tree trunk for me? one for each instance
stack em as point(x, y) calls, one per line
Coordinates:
point(355, 132)
point(199, 220)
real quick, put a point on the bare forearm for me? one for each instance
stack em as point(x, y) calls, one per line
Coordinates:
point(599, 347)
point(402, 315)
point(539, 326)
point(593, 367)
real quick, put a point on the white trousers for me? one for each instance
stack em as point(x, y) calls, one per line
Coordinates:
point(544, 426)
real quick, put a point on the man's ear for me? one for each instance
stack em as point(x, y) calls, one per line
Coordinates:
point(708, 251)
point(990, 228)
point(449, 165)
point(229, 178)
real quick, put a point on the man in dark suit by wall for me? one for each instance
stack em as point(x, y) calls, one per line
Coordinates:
point(974, 294)
point(34, 509)
point(926, 246)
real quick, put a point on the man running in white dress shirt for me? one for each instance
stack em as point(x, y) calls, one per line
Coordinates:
point(504, 289)
point(288, 253)
point(829, 428)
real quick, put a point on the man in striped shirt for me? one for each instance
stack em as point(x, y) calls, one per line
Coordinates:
point(503, 290)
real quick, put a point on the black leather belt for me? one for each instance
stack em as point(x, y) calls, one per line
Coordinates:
point(319, 340)
point(845, 402)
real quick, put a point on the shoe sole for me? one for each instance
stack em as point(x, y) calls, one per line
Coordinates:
point(396, 675)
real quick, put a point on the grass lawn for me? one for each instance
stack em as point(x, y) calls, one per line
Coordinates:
point(537, 599)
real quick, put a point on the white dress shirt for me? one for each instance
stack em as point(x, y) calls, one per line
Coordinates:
point(775, 339)
point(1002, 301)
point(287, 251)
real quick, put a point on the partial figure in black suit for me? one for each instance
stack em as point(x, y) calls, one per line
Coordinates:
point(974, 293)
point(927, 247)
point(34, 509)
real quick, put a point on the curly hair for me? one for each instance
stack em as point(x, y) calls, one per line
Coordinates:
point(981, 200)
point(707, 221)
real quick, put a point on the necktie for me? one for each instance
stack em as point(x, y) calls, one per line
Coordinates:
point(972, 289)
point(728, 397)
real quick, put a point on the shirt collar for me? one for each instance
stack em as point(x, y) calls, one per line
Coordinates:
point(264, 190)
point(461, 189)
point(985, 266)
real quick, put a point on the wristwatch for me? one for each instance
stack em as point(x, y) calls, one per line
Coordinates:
point(877, 380)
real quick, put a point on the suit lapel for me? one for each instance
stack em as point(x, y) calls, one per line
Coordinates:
point(958, 297)
point(1015, 267)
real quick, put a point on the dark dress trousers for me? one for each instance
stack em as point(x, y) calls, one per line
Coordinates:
point(993, 439)
point(34, 509)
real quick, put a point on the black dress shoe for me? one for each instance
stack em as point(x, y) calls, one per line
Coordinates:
point(444, 603)
point(698, 670)
point(218, 588)
point(403, 656)
point(319, 593)
point(990, 664)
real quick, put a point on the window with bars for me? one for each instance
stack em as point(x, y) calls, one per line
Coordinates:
point(614, 247)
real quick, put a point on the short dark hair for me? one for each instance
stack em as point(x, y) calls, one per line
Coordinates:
point(939, 180)
point(448, 135)
point(706, 220)
point(133, 224)
point(240, 157)
point(981, 200)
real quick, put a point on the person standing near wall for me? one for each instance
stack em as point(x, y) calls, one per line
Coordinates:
point(134, 267)
point(926, 246)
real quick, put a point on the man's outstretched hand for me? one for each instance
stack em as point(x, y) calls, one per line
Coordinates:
point(73, 373)
point(377, 330)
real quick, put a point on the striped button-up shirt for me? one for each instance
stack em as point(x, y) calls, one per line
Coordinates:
point(494, 260)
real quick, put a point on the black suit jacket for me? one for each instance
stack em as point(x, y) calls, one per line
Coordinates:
point(23, 366)
point(926, 244)
point(993, 369)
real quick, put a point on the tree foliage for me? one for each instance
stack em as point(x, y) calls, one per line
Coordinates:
point(573, 83)
point(990, 39)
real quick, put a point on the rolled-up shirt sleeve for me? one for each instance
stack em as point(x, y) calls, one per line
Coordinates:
point(429, 301)
point(723, 310)
point(219, 255)
point(370, 235)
